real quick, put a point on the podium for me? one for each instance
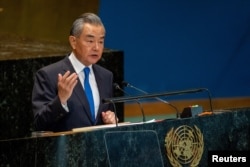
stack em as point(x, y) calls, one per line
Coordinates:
point(134, 144)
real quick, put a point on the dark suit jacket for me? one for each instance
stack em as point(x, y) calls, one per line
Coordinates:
point(49, 115)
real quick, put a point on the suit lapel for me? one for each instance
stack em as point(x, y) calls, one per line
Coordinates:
point(79, 92)
point(100, 87)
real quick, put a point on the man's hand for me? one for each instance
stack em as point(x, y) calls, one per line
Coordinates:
point(109, 117)
point(66, 84)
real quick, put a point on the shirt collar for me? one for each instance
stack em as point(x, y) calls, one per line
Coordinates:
point(78, 66)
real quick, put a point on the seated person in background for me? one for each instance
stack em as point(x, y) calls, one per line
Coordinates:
point(59, 98)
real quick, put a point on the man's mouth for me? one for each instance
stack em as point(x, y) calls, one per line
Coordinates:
point(94, 55)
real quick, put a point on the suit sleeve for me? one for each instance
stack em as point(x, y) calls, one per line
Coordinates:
point(46, 106)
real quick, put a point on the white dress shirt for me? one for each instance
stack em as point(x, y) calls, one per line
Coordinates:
point(78, 66)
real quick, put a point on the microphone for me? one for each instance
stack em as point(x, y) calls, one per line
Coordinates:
point(154, 95)
point(117, 87)
point(116, 118)
point(157, 98)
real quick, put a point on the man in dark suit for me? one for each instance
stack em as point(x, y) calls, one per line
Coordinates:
point(59, 98)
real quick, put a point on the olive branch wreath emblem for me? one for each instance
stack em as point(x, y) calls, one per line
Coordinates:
point(184, 145)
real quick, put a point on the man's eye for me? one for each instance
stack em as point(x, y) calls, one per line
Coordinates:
point(90, 41)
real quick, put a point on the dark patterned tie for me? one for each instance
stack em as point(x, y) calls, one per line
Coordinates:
point(88, 92)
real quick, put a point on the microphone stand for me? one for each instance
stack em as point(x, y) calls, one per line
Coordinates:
point(116, 122)
point(157, 98)
point(153, 95)
point(116, 86)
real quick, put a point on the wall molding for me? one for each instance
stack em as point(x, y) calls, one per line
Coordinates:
point(159, 108)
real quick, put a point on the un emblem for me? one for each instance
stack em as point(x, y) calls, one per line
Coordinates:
point(184, 146)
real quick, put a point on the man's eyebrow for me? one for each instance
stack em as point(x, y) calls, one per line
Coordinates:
point(92, 36)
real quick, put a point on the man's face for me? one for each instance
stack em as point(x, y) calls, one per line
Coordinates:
point(88, 47)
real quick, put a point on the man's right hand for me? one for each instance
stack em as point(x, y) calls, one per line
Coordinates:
point(66, 84)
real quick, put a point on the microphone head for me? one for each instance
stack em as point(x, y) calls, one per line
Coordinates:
point(124, 83)
point(116, 86)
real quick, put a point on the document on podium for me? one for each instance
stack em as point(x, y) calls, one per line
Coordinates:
point(92, 128)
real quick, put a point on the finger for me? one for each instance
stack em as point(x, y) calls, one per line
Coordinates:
point(72, 77)
point(68, 79)
point(65, 76)
point(111, 117)
point(104, 117)
point(59, 77)
point(72, 80)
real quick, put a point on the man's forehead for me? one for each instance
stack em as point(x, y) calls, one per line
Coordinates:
point(94, 31)
point(93, 27)
point(94, 36)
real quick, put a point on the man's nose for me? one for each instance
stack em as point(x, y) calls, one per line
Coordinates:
point(96, 45)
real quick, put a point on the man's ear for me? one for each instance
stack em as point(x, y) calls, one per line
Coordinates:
point(72, 41)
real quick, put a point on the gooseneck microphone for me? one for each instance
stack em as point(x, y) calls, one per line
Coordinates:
point(157, 98)
point(117, 87)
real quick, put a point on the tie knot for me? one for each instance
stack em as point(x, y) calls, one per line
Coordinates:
point(86, 71)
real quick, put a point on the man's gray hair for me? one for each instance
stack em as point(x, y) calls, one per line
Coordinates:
point(90, 18)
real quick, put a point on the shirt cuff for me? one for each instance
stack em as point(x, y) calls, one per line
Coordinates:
point(65, 107)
